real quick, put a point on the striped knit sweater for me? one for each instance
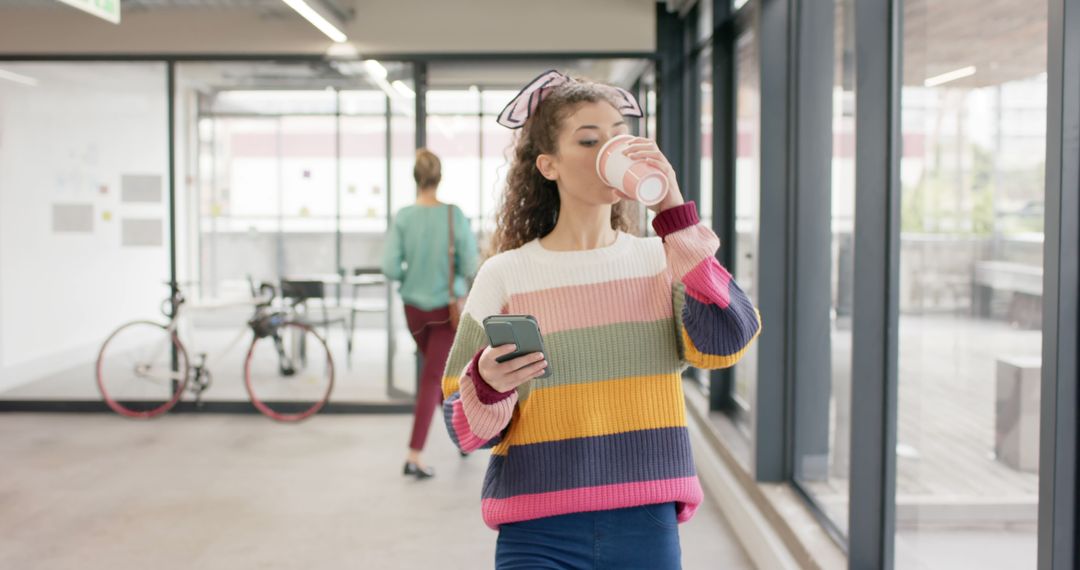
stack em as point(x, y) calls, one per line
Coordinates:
point(608, 429)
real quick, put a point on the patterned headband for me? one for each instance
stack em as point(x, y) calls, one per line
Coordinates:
point(525, 104)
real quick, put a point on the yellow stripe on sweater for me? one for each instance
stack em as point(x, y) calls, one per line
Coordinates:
point(450, 384)
point(599, 408)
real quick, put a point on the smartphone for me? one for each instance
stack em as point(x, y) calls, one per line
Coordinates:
point(520, 330)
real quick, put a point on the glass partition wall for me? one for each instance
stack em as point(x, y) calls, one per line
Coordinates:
point(84, 216)
point(296, 183)
point(285, 171)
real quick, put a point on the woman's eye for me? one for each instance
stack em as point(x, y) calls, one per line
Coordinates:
point(589, 143)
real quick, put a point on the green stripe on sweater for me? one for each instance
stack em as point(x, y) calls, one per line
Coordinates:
point(678, 300)
point(580, 356)
point(469, 339)
point(610, 352)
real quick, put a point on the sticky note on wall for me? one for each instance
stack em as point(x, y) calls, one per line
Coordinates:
point(141, 232)
point(141, 188)
point(72, 218)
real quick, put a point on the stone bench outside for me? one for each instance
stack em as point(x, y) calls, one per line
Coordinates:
point(1016, 414)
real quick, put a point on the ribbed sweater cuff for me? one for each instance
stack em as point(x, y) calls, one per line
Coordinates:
point(484, 392)
point(674, 219)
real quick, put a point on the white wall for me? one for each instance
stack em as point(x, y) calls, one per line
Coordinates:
point(380, 26)
point(82, 127)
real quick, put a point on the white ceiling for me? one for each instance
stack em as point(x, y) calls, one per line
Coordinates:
point(441, 75)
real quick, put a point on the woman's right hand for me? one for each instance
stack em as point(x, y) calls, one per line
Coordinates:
point(506, 376)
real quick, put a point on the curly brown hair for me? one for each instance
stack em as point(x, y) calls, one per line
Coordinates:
point(529, 207)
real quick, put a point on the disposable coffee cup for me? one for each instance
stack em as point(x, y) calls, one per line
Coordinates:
point(631, 179)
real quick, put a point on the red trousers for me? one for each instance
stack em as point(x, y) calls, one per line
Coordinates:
point(433, 335)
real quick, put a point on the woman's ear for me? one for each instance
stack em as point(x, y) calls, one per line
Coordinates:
point(545, 163)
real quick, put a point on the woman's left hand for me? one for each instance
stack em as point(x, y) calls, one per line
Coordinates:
point(646, 149)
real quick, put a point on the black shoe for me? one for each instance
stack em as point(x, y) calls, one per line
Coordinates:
point(414, 470)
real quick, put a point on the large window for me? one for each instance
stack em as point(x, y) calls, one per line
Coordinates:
point(972, 177)
point(282, 174)
point(474, 148)
point(453, 124)
point(747, 196)
point(971, 168)
point(705, 165)
point(824, 473)
point(364, 183)
point(497, 143)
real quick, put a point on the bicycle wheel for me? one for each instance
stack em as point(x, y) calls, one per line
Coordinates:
point(142, 370)
point(289, 373)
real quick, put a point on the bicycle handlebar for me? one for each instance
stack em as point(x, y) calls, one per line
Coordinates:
point(269, 291)
point(170, 306)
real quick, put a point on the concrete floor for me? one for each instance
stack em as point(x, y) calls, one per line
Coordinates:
point(237, 492)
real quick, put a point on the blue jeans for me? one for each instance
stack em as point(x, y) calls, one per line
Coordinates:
point(645, 537)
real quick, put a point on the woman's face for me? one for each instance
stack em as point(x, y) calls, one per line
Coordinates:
point(573, 166)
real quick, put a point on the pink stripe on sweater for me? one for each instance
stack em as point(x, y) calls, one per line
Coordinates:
point(641, 299)
point(685, 491)
point(687, 247)
point(709, 283)
point(485, 420)
point(467, 440)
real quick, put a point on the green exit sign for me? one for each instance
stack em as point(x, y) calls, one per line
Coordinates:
point(105, 9)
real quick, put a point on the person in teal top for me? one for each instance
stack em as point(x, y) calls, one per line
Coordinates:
point(417, 255)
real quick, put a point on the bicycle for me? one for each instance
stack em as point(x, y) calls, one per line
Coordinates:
point(143, 367)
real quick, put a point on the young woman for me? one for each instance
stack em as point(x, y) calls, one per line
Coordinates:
point(417, 254)
point(590, 467)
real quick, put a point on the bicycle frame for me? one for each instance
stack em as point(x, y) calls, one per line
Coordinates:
point(190, 368)
point(188, 337)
